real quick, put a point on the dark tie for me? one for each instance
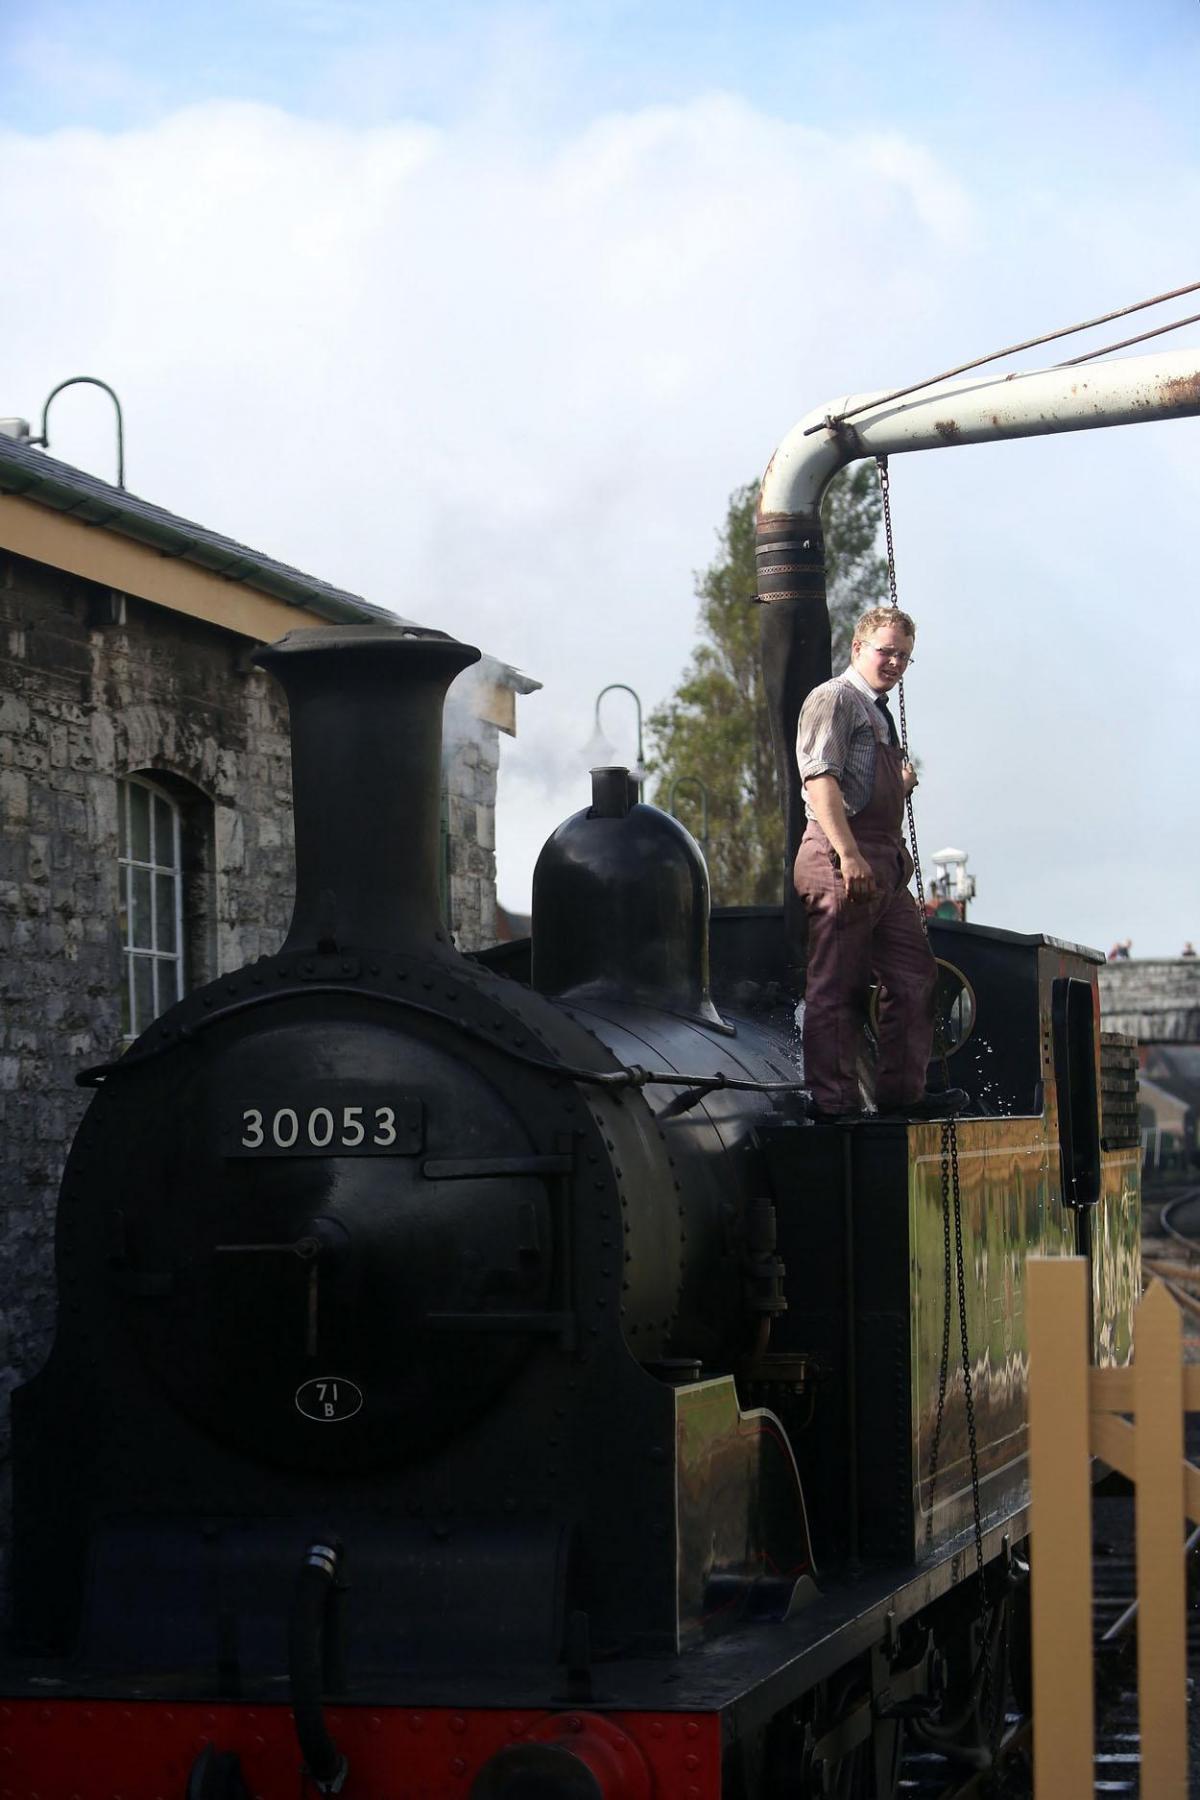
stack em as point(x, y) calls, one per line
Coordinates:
point(885, 709)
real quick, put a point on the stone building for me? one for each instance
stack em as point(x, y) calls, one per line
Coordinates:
point(1157, 1000)
point(145, 800)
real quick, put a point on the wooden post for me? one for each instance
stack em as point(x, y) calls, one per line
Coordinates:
point(1159, 1506)
point(1061, 1521)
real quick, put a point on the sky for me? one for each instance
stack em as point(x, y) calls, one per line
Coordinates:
point(482, 311)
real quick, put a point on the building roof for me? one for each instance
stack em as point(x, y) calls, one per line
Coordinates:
point(31, 475)
point(1176, 1069)
point(1169, 1109)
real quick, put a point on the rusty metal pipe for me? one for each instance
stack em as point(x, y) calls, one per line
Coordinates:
point(1132, 390)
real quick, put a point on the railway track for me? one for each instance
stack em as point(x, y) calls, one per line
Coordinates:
point(1171, 1252)
point(1174, 1253)
point(927, 1776)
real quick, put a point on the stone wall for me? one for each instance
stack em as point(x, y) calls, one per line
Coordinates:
point(469, 771)
point(1156, 1001)
point(95, 686)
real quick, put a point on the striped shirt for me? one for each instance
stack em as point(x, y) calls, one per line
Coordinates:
point(840, 725)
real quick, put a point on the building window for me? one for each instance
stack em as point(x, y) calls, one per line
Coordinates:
point(151, 902)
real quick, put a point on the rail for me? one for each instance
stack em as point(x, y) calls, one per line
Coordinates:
point(1132, 1418)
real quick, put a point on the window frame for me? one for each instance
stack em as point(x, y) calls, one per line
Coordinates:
point(132, 1025)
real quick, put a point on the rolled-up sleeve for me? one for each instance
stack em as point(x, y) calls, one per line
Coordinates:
point(827, 722)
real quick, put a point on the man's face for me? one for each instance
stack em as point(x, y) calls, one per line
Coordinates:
point(882, 656)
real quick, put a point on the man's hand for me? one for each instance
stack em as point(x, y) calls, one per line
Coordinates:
point(858, 877)
point(908, 777)
point(825, 800)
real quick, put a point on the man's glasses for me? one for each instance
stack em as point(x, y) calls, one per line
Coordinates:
point(903, 657)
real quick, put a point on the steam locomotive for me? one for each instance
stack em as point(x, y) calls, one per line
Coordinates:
point(477, 1377)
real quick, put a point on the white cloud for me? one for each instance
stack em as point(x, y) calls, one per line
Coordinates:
point(507, 389)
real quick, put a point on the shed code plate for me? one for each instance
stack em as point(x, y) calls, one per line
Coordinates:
point(328, 1399)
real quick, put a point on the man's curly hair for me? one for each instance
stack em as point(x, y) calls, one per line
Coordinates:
point(885, 615)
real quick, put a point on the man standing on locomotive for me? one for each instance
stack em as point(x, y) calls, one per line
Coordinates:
point(852, 872)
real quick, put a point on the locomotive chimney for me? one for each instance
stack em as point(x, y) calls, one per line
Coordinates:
point(366, 709)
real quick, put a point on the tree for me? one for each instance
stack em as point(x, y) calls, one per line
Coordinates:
point(714, 727)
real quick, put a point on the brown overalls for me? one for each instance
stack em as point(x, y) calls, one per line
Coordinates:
point(851, 943)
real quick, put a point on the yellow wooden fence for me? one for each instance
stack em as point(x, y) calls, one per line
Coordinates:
point(1076, 1412)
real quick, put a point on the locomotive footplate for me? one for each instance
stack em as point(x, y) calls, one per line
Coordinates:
point(745, 1676)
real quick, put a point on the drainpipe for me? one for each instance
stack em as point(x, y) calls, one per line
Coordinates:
point(979, 410)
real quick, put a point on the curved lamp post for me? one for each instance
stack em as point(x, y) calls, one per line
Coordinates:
point(600, 752)
point(92, 381)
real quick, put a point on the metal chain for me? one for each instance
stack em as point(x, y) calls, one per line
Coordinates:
point(949, 1184)
point(881, 465)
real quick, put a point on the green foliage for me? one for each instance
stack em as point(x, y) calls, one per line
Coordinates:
point(714, 727)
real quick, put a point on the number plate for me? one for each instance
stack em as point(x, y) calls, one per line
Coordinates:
point(342, 1121)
